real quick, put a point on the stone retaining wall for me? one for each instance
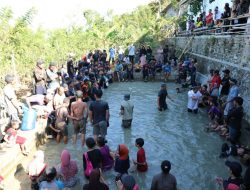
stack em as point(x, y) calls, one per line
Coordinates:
point(220, 52)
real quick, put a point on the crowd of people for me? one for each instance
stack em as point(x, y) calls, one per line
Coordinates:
point(220, 96)
point(214, 18)
point(71, 95)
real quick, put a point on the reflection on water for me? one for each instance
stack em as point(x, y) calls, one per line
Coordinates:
point(174, 135)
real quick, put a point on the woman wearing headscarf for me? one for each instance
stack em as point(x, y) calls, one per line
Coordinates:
point(95, 181)
point(36, 169)
point(122, 159)
point(68, 169)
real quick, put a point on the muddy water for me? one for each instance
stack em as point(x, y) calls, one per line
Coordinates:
point(174, 135)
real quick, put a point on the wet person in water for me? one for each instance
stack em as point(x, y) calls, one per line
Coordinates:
point(161, 101)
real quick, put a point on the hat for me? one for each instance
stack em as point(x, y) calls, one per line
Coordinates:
point(40, 62)
point(52, 64)
point(226, 71)
point(233, 81)
point(9, 78)
point(163, 85)
point(128, 181)
point(126, 96)
point(235, 167)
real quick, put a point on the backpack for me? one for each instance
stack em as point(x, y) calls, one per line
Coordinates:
point(89, 166)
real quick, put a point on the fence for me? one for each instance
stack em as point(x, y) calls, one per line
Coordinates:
point(224, 29)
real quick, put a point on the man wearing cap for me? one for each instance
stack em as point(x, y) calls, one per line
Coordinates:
point(233, 92)
point(79, 110)
point(53, 77)
point(127, 182)
point(127, 108)
point(235, 180)
point(10, 98)
point(164, 180)
point(225, 83)
point(161, 101)
point(40, 78)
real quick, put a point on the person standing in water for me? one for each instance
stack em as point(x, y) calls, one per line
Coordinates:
point(79, 109)
point(161, 101)
point(127, 108)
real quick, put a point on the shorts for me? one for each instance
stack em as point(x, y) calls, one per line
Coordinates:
point(100, 128)
point(79, 126)
point(126, 123)
point(62, 126)
point(20, 140)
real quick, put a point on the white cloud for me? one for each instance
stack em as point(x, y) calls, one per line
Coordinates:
point(62, 13)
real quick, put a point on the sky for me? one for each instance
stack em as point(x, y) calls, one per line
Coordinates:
point(62, 13)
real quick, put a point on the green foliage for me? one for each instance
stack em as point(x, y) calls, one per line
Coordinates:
point(143, 25)
point(195, 6)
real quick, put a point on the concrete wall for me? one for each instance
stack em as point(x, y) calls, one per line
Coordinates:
point(220, 52)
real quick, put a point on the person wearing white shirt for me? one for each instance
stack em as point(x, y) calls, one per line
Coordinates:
point(217, 15)
point(131, 53)
point(193, 100)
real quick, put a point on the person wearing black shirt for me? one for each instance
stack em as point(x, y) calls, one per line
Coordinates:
point(162, 104)
point(225, 83)
point(234, 119)
point(94, 154)
point(99, 115)
point(70, 68)
point(165, 54)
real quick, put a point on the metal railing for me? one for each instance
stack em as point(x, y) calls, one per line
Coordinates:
point(223, 29)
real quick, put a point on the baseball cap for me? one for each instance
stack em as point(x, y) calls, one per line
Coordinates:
point(227, 71)
point(40, 62)
point(235, 167)
point(128, 182)
point(52, 64)
point(126, 96)
point(163, 85)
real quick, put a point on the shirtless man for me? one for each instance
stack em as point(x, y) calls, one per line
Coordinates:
point(79, 111)
point(62, 115)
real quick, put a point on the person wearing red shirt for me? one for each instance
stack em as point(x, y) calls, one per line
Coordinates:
point(141, 162)
point(209, 18)
point(216, 80)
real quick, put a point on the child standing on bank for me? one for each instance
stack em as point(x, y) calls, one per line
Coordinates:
point(12, 138)
point(141, 162)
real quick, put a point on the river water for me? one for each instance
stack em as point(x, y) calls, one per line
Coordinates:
point(174, 135)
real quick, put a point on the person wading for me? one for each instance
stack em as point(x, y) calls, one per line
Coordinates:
point(79, 110)
point(161, 101)
point(127, 108)
point(99, 115)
